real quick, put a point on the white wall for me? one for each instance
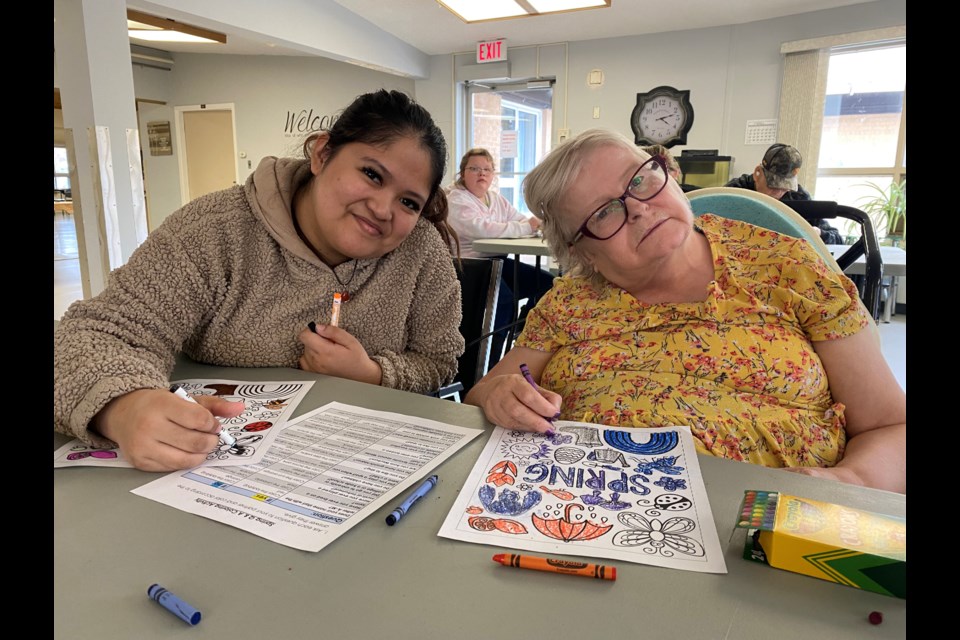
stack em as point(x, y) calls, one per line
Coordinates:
point(263, 90)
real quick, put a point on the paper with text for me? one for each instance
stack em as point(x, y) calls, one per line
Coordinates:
point(325, 472)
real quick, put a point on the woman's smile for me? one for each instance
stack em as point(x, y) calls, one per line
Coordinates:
point(367, 226)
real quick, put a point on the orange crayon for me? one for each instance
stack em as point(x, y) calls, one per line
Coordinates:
point(335, 312)
point(569, 567)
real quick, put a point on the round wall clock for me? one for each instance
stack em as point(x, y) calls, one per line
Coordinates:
point(663, 115)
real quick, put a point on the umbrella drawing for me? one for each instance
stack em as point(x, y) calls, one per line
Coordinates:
point(566, 529)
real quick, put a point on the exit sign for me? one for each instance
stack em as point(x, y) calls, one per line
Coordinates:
point(491, 51)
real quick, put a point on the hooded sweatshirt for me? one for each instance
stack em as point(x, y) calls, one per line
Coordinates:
point(227, 281)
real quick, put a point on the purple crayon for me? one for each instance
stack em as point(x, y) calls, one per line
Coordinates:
point(525, 370)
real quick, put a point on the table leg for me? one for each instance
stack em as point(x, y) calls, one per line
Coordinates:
point(891, 301)
point(536, 283)
point(516, 303)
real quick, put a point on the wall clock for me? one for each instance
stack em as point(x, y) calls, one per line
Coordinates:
point(663, 115)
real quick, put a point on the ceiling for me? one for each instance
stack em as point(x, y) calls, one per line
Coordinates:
point(432, 29)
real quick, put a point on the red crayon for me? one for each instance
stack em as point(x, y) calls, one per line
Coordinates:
point(569, 567)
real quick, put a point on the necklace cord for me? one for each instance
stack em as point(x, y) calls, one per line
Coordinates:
point(343, 285)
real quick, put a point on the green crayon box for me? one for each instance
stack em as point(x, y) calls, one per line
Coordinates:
point(829, 541)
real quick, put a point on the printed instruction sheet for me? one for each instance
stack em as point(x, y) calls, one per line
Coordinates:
point(324, 473)
point(628, 494)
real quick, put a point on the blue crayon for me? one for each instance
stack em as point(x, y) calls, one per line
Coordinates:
point(173, 604)
point(421, 491)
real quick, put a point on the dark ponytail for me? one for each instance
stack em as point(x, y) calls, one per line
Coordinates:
point(436, 212)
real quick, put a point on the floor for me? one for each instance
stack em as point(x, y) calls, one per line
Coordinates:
point(66, 264)
point(67, 289)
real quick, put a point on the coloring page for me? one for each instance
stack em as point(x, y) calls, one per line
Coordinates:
point(628, 494)
point(268, 407)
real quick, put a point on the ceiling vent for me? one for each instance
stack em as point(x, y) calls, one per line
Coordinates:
point(153, 58)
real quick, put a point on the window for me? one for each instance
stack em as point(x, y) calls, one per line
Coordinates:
point(513, 123)
point(843, 104)
point(61, 173)
point(863, 135)
point(519, 149)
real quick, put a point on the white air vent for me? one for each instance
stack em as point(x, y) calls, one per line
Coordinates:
point(147, 57)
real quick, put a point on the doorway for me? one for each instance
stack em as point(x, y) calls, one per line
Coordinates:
point(513, 122)
point(206, 149)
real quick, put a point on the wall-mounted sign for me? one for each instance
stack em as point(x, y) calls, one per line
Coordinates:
point(159, 135)
point(305, 121)
point(491, 51)
point(508, 144)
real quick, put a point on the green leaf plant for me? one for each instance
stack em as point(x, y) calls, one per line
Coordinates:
point(887, 207)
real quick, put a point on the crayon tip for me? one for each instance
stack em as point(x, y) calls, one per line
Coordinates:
point(613, 573)
point(391, 520)
point(549, 433)
point(498, 558)
point(312, 326)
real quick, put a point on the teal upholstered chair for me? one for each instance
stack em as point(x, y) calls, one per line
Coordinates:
point(764, 211)
point(761, 210)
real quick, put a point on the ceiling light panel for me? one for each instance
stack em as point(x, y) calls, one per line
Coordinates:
point(142, 26)
point(473, 11)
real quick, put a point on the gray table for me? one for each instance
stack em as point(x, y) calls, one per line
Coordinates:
point(894, 264)
point(517, 246)
point(406, 582)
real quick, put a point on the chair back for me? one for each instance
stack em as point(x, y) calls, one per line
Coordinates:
point(762, 210)
point(479, 286)
point(867, 245)
point(792, 218)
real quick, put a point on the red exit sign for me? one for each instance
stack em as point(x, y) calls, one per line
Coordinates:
point(492, 51)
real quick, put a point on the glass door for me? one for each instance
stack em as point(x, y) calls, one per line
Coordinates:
point(513, 123)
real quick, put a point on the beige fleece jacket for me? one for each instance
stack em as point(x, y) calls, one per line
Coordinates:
point(227, 281)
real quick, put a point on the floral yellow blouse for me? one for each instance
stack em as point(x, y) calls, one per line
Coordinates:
point(738, 368)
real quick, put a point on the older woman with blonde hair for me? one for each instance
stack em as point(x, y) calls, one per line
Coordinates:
point(478, 212)
point(740, 333)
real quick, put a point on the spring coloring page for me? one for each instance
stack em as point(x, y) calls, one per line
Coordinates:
point(589, 490)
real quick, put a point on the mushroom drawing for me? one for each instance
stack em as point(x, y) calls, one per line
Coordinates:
point(566, 529)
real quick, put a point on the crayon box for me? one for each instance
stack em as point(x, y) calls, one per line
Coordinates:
point(828, 541)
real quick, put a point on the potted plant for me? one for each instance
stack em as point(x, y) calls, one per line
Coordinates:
point(888, 209)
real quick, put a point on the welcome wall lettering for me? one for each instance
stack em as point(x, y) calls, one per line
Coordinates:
point(306, 121)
